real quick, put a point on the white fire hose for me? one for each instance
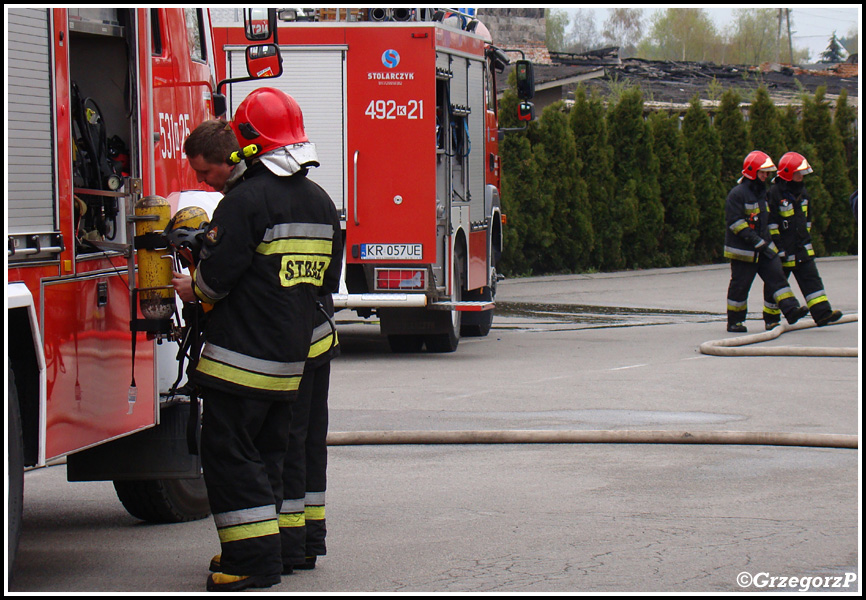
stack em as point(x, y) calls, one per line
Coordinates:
point(731, 346)
point(727, 347)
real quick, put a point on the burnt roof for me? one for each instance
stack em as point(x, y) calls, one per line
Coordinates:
point(676, 82)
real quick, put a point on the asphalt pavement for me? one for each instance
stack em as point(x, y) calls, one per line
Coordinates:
point(615, 352)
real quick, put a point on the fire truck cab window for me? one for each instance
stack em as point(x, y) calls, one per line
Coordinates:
point(155, 32)
point(194, 29)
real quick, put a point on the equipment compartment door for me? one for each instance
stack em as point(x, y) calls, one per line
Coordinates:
point(391, 207)
point(88, 353)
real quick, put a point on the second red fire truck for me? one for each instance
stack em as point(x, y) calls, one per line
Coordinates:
point(401, 104)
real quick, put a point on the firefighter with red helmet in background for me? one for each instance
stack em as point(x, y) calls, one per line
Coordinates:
point(273, 244)
point(749, 245)
point(790, 227)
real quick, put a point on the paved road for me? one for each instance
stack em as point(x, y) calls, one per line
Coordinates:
point(590, 352)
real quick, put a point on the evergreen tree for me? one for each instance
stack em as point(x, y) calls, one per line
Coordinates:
point(705, 159)
point(833, 53)
point(520, 184)
point(733, 136)
point(677, 190)
point(830, 212)
point(845, 120)
point(764, 129)
point(562, 189)
point(519, 187)
point(637, 204)
point(587, 120)
point(792, 133)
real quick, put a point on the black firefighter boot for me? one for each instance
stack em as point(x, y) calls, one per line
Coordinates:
point(796, 314)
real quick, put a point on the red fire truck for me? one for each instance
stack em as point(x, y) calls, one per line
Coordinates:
point(100, 102)
point(401, 104)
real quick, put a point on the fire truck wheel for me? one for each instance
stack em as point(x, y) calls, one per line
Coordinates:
point(448, 341)
point(14, 471)
point(164, 500)
point(406, 344)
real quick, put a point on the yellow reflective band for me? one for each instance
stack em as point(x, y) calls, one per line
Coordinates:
point(249, 530)
point(291, 520)
point(787, 213)
point(296, 246)
point(815, 301)
point(739, 226)
point(248, 379)
point(204, 292)
point(314, 513)
point(322, 346)
point(733, 308)
point(783, 296)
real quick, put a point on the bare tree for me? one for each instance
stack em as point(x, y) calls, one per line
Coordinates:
point(556, 20)
point(624, 28)
point(583, 35)
point(681, 34)
point(754, 35)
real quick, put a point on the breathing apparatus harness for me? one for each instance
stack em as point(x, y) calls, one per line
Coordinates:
point(185, 235)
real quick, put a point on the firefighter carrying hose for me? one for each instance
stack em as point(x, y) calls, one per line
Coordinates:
point(791, 227)
point(749, 246)
point(273, 244)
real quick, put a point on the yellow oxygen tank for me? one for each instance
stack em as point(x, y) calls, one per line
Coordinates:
point(154, 271)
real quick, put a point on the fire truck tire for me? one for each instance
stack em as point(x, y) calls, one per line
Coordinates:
point(164, 500)
point(448, 341)
point(14, 471)
point(406, 344)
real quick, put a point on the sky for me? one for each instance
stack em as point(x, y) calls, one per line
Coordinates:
point(811, 25)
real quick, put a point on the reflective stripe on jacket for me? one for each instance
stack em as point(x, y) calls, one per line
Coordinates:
point(790, 226)
point(273, 245)
point(747, 230)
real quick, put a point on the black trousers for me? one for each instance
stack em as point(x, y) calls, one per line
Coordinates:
point(775, 284)
point(809, 280)
point(243, 445)
point(302, 516)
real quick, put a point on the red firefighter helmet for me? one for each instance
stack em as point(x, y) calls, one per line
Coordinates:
point(791, 163)
point(757, 161)
point(269, 118)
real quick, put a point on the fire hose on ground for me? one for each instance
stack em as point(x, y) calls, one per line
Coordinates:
point(726, 347)
point(732, 346)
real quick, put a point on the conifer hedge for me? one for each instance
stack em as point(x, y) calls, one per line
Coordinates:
point(608, 185)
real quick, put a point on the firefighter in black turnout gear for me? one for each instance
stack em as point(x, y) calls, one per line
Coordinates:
point(791, 227)
point(749, 246)
point(273, 243)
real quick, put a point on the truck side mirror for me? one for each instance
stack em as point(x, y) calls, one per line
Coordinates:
point(264, 61)
point(259, 23)
point(220, 106)
point(525, 80)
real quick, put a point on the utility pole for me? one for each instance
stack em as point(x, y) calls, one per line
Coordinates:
point(790, 44)
point(779, 36)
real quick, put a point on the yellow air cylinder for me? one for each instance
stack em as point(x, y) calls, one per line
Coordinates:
point(154, 271)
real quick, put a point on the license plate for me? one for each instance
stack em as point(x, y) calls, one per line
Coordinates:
point(391, 251)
